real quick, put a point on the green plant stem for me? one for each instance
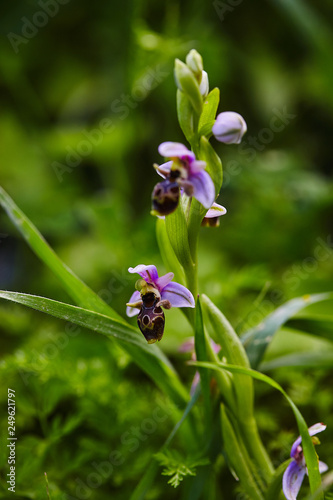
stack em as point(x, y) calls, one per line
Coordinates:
point(256, 448)
point(238, 457)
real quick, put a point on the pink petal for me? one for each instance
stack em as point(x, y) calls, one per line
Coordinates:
point(215, 210)
point(322, 467)
point(187, 346)
point(314, 429)
point(177, 295)
point(196, 166)
point(148, 273)
point(164, 169)
point(133, 311)
point(292, 480)
point(204, 190)
point(229, 127)
point(175, 150)
point(163, 281)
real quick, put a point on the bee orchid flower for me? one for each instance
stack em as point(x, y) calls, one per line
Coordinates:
point(182, 171)
point(296, 470)
point(153, 293)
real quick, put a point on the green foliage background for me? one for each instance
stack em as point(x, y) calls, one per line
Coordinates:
point(78, 394)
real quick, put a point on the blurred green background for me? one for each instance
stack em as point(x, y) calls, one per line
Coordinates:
point(87, 95)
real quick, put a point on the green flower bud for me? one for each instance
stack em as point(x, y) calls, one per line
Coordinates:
point(187, 83)
point(194, 62)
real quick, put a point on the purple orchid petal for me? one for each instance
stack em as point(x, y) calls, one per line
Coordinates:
point(292, 480)
point(216, 347)
point(196, 166)
point(229, 127)
point(163, 281)
point(314, 429)
point(322, 467)
point(187, 346)
point(177, 295)
point(164, 169)
point(175, 150)
point(215, 210)
point(148, 273)
point(203, 188)
point(133, 311)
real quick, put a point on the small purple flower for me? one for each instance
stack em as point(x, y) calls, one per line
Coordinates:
point(296, 470)
point(212, 217)
point(187, 172)
point(153, 293)
point(229, 127)
point(189, 346)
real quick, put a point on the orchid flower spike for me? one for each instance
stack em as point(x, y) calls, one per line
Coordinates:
point(212, 217)
point(229, 127)
point(153, 293)
point(182, 171)
point(296, 470)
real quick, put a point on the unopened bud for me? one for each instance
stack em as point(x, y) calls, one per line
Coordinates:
point(194, 62)
point(229, 127)
point(204, 85)
point(187, 83)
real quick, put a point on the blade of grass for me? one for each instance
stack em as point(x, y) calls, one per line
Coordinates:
point(201, 354)
point(76, 289)
point(149, 357)
point(258, 338)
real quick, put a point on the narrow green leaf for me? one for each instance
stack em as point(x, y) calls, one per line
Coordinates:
point(168, 255)
point(275, 486)
point(201, 354)
point(307, 444)
point(238, 457)
point(189, 85)
point(208, 115)
point(206, 153)
point(76, 289)
point(214, 164)
point(185, 115)
point(319, 325)
point(233, 351)
point(149, 357)
point(258, 338)
point(317, 359)
point(177, 232)
point(327, 482)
